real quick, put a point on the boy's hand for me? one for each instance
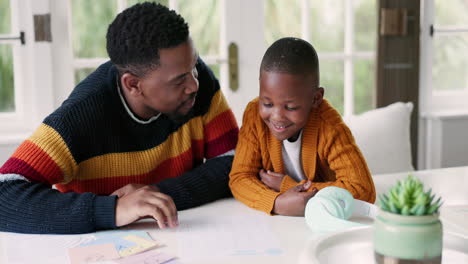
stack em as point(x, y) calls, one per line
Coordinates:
point(293, 201)
point(271, 179)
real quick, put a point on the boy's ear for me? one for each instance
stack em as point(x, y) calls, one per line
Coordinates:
point(130, 83)
point(318, 97)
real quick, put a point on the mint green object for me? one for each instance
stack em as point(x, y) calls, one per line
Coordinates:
point(329, 210)
point(408, 226)
point(408, 237)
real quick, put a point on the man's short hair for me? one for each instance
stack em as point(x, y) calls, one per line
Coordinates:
point(137, 34)
point(291, 55)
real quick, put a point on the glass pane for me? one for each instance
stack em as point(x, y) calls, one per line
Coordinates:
point(364, 83)
point(331, 79)
point(5, 19)
point(450, 65)
point(365, 20)
point(163, 2)
point(90, 20)
point(203, 17)
point(326, 25)
point(81, 74)
point(7, 89)
point(282, 19)
point(451, 14)
point(215, 68)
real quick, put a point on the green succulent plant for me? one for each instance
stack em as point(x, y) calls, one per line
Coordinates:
point(408, 198)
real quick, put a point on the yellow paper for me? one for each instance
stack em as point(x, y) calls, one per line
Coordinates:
point(141, 245)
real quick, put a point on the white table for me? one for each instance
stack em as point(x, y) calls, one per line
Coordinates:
point(291, 233)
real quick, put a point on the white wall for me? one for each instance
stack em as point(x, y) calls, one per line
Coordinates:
point(446, 143)
point(6, 150)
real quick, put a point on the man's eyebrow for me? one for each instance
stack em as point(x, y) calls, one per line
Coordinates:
point(178, 77)
point(181, 76)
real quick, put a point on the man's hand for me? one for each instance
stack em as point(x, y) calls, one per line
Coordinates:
point(141, 202)
point(293, 201)
point(130, 188)
point(271, 179)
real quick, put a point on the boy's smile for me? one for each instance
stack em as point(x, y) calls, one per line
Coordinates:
point(286, 100)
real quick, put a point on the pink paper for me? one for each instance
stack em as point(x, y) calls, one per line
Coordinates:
point(88, 254)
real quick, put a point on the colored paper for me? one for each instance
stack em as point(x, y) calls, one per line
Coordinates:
point(151, 256)
point(94, 253)
point(126, 242)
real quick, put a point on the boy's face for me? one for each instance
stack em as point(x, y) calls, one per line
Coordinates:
point(286, 100)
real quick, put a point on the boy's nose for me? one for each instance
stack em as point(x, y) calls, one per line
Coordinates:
point(277, 115)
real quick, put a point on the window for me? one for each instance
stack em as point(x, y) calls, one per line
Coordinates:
point(89, 21)
point(345, 45)
point(88, 35)
point(444, 61)
point(7, 87)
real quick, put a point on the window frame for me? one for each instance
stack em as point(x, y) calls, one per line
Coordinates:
point(32, 75)
point(432, 101)
point(349, 55)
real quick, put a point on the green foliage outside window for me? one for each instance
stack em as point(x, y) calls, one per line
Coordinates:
point(7, 90)
point(450, 65)
point(283, 18)
point(90, 20)
point(203, 17)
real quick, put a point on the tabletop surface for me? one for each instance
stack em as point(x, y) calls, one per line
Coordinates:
point(227, 231)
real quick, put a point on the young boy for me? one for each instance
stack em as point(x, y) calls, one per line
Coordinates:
point(293, 142)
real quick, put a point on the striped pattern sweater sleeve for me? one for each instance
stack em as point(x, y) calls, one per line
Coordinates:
point(90, 146)
point(329, 156)
point(208, 182)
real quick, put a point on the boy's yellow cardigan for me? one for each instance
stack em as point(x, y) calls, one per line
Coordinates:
point(330, 157)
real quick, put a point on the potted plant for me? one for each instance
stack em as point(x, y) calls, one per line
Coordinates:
point(407, 228)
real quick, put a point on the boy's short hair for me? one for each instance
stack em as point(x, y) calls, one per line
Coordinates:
point(291, 55)
point(137, 34)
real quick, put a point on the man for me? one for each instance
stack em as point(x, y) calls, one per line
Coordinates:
point(145, 135)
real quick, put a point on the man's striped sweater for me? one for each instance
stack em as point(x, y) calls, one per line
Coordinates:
point(91, 146)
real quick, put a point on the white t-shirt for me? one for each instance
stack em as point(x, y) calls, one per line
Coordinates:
point(292, 159)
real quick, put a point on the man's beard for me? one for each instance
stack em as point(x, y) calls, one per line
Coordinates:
point(179, 117)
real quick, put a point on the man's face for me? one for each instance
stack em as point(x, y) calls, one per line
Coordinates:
point(171, 88)
point(285, 102)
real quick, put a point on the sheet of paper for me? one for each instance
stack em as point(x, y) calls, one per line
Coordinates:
point(126, 242)
point(50, 249)
point(151, 256)
point(94, 253)
point(256, 239)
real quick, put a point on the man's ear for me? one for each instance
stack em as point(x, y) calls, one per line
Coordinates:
point(130, 83)
point(318, 97)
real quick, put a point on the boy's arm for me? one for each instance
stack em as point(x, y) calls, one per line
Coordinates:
point(346, 160)
point(244, 183)
point(209, 181)
point(30, 205)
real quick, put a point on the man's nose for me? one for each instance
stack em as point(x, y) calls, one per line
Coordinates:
point(192, 86)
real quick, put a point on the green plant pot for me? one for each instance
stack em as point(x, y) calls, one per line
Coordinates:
point(405, 238)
